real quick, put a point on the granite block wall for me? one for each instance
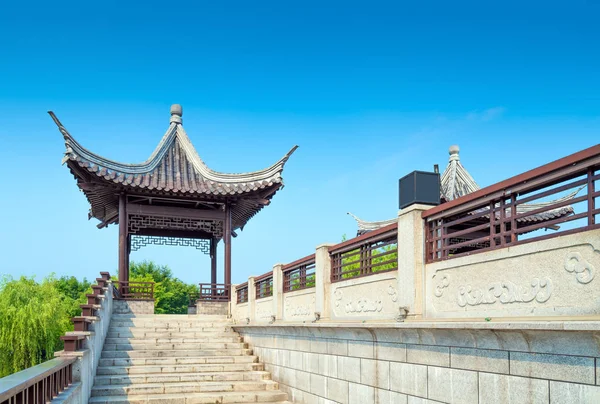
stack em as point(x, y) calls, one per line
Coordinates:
point(428, 365)
point(121, 306)
point(212, 308)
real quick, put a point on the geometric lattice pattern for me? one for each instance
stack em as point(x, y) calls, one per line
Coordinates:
point(138, 242)
point(137, 222)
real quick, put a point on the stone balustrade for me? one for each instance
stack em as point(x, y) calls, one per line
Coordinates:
point(549, 278)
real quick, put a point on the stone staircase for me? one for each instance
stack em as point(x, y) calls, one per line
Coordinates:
point(179, 359)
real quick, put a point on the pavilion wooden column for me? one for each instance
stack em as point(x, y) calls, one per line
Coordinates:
point(213, 260)
point(227, 241)
point(123, 240)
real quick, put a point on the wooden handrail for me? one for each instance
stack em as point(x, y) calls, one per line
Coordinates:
point(214, 291)
point(14, 384)
point(301, 261)
point(499, 215)
point(520, 179)
point(365, 238)
point(145, 290)
point(263, 276)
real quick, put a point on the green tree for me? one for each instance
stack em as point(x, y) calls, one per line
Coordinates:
point(171, 295)
point(33, 316)
point(75, 290)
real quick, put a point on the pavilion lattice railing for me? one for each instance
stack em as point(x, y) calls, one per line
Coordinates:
point(38, 384)
point(216, 292)
point(370, 253)
point(242, 293)
point(560, 197)
point(299, 274)
point(264, 285)
point(133, 290)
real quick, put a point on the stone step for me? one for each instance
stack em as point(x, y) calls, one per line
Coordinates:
point(149, 369)
point(180, 353)
point(158, 328)
point(197, 360)
point(172, 340)
point(135, 333)
point(145, 346)
point(275, 397)
point(180, 377)
point(169, 324)
point(160, 317)
point(183, 387)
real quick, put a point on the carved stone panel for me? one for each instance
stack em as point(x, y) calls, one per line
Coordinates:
point(299, 306)
point(375, 296)
point(264, 310)
point(240, 313)
point(553, 277)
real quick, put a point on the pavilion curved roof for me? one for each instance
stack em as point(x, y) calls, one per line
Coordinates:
point(456, 181)
point(174, 168)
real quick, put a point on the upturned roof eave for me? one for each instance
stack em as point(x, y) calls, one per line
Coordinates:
point(76, 152)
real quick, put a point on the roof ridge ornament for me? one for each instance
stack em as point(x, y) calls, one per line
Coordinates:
point(453, 151)
point(176, 113)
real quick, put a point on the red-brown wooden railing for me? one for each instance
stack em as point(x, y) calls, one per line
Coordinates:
point(135, 290)
point(263, 285)
point(38, 384)
point(242, 293)
point(218, 292)
point(370, 253)
point(516, 210)
point(299, 274)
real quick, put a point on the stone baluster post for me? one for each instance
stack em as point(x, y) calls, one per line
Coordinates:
point(251, 299)
point(233, 303)
point(411, 260)
point(278, 291)
point(323, 281)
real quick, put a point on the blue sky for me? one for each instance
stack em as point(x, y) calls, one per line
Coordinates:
point(369, 90)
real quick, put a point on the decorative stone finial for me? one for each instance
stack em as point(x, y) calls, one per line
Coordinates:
point(453, 151)
point(176, 113)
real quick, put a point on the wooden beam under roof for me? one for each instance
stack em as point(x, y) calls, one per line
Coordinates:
point(169, 211)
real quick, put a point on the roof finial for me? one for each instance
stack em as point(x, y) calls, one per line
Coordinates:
point(454, 152)
point(176, 113)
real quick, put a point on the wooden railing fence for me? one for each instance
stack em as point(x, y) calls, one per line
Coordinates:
point(370, 253)
point(299, 274)
point(559, 197)
point(38, 384)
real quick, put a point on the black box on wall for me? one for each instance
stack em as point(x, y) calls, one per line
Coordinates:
point(419, 187)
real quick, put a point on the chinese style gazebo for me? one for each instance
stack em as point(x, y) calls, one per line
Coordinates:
point(172, 198)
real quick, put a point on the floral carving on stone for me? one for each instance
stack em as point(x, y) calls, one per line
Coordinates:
point(443, 284)
point(506, 292)
point(301, 309)
point(393, 293)
point(361, 305)
point(263, 314)
point(338, 297)
point(583, 270)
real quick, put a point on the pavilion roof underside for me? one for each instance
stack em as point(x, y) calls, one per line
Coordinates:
point(103, 197)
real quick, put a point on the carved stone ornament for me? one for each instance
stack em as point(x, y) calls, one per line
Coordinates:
point(584, 271)
point(443, 284)
point(506, 292)
point(362, 305)
point(300, 310)
point(263, 314)
point(393, 293)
